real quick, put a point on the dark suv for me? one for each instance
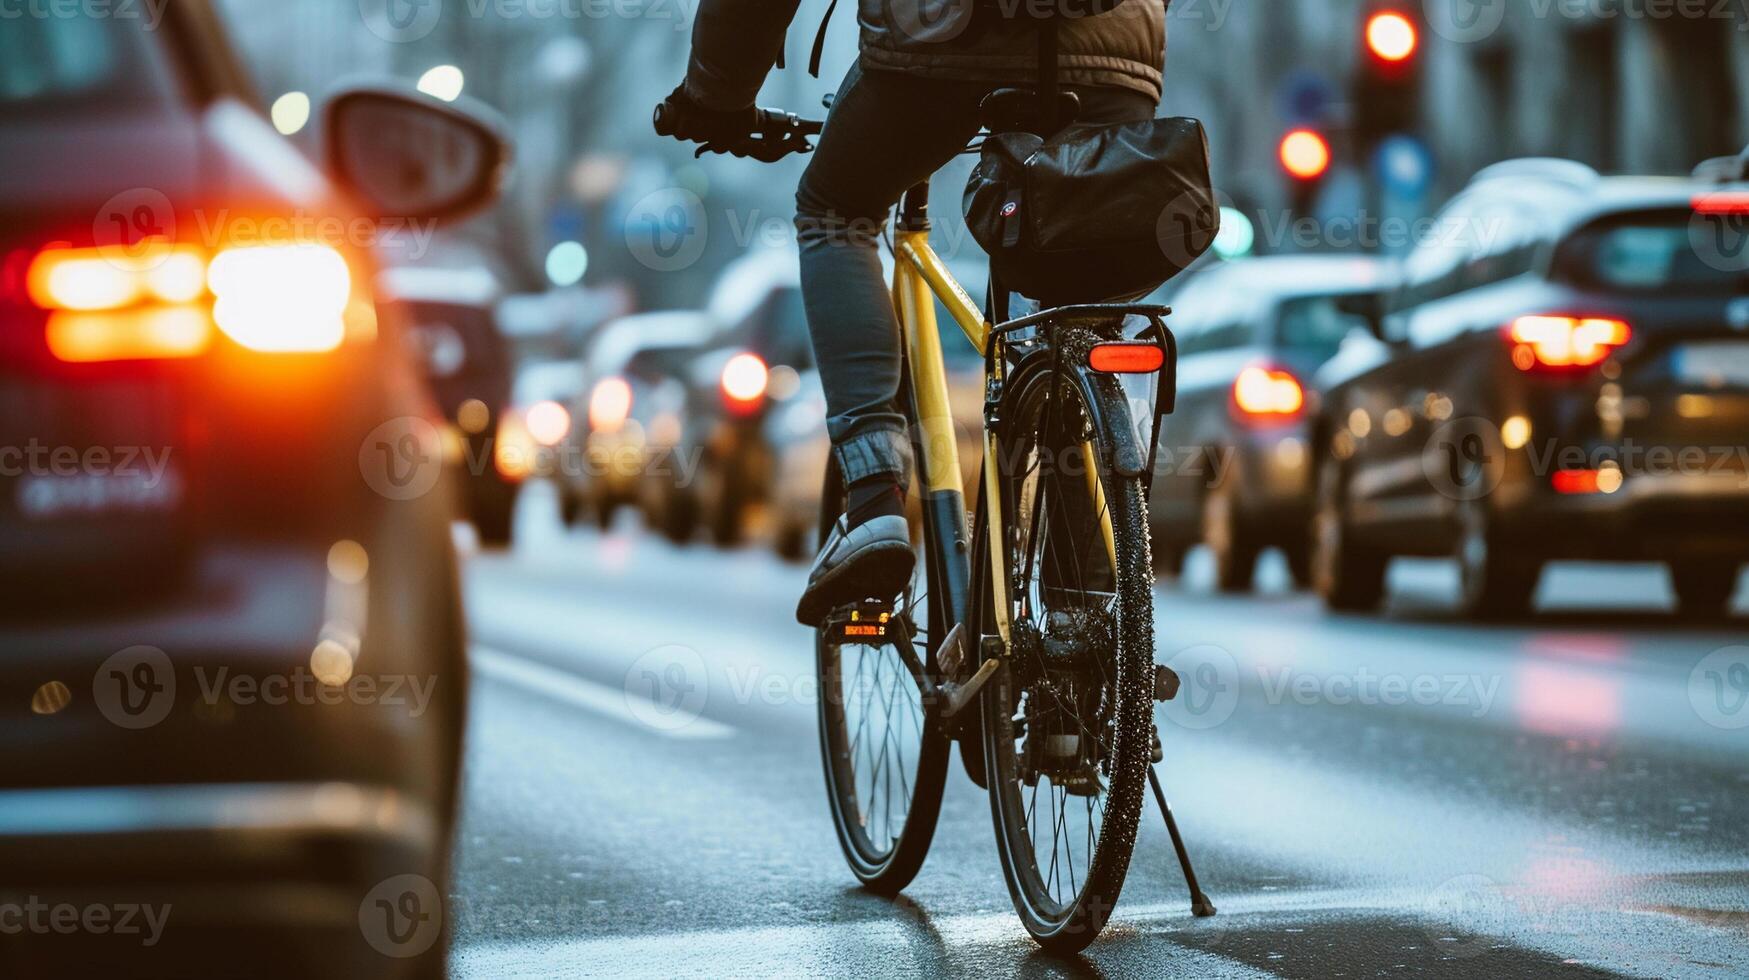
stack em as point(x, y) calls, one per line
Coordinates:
point(1231, 473)
point(1563, 374)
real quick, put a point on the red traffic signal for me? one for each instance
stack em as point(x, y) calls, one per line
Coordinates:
point(1391, 37)
point(1305, 154)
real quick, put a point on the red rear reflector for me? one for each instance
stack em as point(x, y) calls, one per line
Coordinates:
point(1722, 202)
point(1126, 358)
point(1564, 341)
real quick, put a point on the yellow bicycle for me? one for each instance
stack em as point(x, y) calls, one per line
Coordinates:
point(1029, 638)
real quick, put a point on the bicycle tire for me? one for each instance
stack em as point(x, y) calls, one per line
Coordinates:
point(883, 856)
point(1067, 920)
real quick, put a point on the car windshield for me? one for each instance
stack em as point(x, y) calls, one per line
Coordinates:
point(1656, 254)
point(1315, 323)
point(86, 65)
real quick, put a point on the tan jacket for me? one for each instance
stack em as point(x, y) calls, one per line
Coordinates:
point(735, 42)
point(1124, 47)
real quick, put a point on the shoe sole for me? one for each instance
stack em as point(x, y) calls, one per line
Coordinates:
point(880, 570)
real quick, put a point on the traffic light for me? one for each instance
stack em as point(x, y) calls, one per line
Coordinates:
point(1305, 154)
point(1305, 157)
point(1391, 37)
point(1387, 82)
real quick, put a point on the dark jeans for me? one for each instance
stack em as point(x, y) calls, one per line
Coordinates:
point(886, 131)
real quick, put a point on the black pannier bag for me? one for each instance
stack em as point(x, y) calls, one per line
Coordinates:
point(1096, 212)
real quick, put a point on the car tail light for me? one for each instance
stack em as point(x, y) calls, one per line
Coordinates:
point(744, 381)
point(1605, 480)
point(158, 299)
point(110, 304)
point(281, 298)
point(128, 335)
point(1564, 341)
point(610, 404)
point(1721, 202)
point(548, 422)
point(94, 279)
point(1267, 392)
point(1126, 358)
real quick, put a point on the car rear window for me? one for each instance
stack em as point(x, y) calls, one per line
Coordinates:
point(80, 63)
point(1648, 254)
point(1314, 323)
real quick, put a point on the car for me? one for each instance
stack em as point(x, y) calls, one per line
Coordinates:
point(534, 436)
point(630, 418)
point(732, 384)
point(1231, 473)
point(230, 606)
point(467, 363)
point(1562, 373)
point(800, 450)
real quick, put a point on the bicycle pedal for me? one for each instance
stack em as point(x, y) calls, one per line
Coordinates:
point(868, 622)
point(953, 658)
point(960, 695)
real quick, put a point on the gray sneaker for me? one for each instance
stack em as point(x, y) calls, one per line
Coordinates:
point(872, 561)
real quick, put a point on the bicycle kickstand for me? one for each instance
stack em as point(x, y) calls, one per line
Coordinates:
point(1200, 906)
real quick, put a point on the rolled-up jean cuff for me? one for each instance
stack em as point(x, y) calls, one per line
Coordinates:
point(873, 453)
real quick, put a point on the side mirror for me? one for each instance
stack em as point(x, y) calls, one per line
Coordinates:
point(402, 154)
point(1367, 307)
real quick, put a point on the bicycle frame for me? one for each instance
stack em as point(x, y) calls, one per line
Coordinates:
point(919, 275)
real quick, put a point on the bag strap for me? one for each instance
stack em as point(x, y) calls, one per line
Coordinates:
point(819, 41)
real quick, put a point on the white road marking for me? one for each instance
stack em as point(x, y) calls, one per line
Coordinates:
point(903, 947)
point(541, 679)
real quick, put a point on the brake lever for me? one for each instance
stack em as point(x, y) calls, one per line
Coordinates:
point(763, 149)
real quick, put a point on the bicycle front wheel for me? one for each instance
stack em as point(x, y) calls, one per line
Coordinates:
point(1067, 721)
point(884, 752)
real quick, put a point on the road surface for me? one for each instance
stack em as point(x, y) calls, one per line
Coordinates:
point(1404, 794)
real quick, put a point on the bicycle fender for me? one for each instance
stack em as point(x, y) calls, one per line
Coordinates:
point(1114, 439)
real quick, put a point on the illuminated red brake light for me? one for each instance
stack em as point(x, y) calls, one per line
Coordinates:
point(1722, 202)
point(1564, 341)
point(161, 299)
point(744, 381)
point(1267, 392)
point(610, 404)
point(1128, 358)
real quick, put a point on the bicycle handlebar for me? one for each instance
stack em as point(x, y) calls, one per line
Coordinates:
point(775, 134)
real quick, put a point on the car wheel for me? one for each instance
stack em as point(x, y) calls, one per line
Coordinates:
point(605, 509)
point(1234, 551)
point(678, 515)
point(493, 518)
point(726, 521)
point(1299, 562)
point(1493, 580)
point(570, 507)
point(1168, 556)
point(1703, 588)
point(1347, 574)
point(790, 542)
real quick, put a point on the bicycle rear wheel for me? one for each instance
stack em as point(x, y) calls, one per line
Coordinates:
point(884, 753)
point(1067, 722)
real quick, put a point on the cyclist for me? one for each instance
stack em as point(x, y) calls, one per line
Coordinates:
point(907, 106)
